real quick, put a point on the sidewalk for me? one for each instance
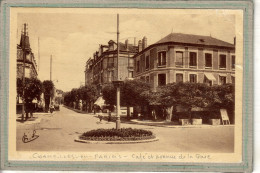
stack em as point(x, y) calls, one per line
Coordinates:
point(37, 116)
point(170, 124)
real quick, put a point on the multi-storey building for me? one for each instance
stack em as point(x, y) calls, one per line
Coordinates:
point(102, 68)
point(89, 71)
point(184, 57)
point(24, 49)
point(24, 52)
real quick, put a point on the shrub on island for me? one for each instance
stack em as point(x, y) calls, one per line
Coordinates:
point(123, 134)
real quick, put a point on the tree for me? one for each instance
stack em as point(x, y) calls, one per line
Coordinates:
point(88, 94)
point(32, 90)
point(132, 93)
point(109, 94)
point(48, 90)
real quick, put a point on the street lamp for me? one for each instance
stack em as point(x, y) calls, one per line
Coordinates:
point(118, 84)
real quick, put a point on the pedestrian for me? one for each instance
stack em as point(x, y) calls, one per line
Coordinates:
point(52, 107)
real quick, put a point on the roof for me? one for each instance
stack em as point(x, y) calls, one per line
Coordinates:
point(194, 39)
point(24, 42)
point(131, 47)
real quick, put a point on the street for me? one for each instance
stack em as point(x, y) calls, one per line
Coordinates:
point(57, 133)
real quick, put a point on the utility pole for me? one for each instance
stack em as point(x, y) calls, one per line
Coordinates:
point(51, 68)
point(118, 82)
point(38, 55)
point(24, 57)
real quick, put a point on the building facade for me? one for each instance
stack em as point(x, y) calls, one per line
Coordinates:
point(24, 49)
point(186, 58)
point(102, 68)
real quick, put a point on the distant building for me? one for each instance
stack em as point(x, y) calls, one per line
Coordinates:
point(30, 63)
point(89, 71)
point(184, 57)
point(102, 68)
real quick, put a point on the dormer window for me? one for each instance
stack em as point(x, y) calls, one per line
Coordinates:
point(111, 44)
point(202, 40)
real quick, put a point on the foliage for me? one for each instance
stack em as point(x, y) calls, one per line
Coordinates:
point(87, 94)
point(32, 89)
point(48, 90)
point(132, 93)
point(109, 94)
point(192, 95)
point(115, 135)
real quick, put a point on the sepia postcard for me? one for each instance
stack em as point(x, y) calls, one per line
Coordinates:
point(127, 86)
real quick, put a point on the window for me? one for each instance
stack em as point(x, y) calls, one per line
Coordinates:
point(102, 78)
point(142, 78)
point(131, 62)
point(101, 65)
point(179, 58)
point(222, 61)
point(208, 60)
point(130, 74)
point(138, 66)
point(193, 59)
point(147, 79)
point(222, 80)
point(233, 79)
point(193, 78)
point(233, 61)
point(207, 81)
point(147, 62)
point(110, 76)
point(110, 62)
point(162, 58)
point(179, 77)
point(161, 79)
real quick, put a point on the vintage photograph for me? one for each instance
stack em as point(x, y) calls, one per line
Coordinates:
point(127, 84)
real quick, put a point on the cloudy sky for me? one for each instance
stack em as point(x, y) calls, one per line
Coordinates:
point(72, 36)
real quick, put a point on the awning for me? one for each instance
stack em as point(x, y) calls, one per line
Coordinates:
point(100, 102)
point(210, 76)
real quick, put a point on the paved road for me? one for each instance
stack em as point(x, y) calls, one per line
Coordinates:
point(57, 133)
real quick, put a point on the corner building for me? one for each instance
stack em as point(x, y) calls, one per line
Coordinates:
point(102, 68)
point(186, 58)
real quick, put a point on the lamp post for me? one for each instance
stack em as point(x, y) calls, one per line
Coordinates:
point(117, 83)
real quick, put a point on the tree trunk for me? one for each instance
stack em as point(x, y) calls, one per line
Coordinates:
point(169, 113)
point(128, 113)
point(47, 102)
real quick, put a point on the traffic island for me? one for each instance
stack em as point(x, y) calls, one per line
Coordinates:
point(117, 136)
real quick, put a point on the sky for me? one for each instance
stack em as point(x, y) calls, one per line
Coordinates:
point(72, 36)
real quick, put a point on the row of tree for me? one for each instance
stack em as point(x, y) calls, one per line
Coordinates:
point(33, 89)
point(137, 93)
point(168, 97)
point(82, 97)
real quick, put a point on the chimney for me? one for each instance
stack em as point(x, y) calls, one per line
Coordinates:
point(140, 45)
point(234, 41)
point(144, 42)
point(126, 44)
